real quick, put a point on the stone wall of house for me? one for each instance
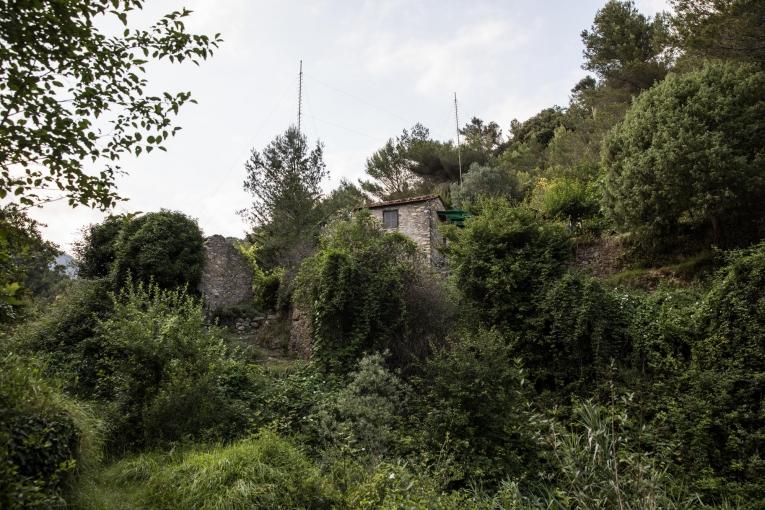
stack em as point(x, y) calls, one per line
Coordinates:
point(226, 278)
point(419, 222)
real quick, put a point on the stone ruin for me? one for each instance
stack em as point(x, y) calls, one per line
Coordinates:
point(227, 278)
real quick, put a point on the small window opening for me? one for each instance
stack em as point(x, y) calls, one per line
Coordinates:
point(390, 219)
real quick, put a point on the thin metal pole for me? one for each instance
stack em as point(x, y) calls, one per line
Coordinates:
point(457, 122)
point(300, 96)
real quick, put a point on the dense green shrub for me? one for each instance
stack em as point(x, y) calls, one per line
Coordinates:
point(295, 393)
point(486, 181)
point(473, 404)
point(566, 199)
point(65, 334)
point(266, 285)
point(688, 159)
point(579, 330)
point(364, 417)
point(165, 247)
point(26, 261)
point(165, 376)
point(502, 260)
point(398, 485)
point(97, 249)
point(720, 416)
point(46, 439)
point(355, 292)
point(662, 331)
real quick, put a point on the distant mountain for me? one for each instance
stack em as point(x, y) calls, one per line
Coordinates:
point(68, 263)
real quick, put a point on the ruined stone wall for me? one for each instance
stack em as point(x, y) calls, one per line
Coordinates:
point(419, 222)
point(300, 333)
point(226, 278)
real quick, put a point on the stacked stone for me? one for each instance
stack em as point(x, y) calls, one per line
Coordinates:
point(244, 324)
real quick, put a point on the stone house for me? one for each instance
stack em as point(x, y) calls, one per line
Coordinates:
point(416, 218)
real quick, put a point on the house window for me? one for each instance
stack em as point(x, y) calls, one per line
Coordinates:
point(390, 218)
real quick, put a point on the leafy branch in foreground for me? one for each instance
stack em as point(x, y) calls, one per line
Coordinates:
point(73, 99)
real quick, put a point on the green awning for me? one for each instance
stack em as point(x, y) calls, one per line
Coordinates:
point(454, 216)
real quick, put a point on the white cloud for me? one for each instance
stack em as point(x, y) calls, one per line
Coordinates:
point(462, 59)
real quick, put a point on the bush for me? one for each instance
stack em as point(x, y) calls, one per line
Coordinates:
point(474, 406)
point(266, 285)
point(580, 329)
point(688, 159)
point(398, 485)
point(295, 394)
point(164, 247)
point(502, 260)
point(598, 466)
point(26, 263)
point(46, 439)
point(354, 289)
point(720, 417)
point(97, 249)
point(365, 417)
point(65, 334)
point(485, 181)
point(164, 376)
point(566, 199)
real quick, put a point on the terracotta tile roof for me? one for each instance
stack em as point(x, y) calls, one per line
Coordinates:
point(411, 200)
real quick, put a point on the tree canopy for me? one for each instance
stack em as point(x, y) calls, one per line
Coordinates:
point(666, 177)
point(284, 181)
point(625, 46)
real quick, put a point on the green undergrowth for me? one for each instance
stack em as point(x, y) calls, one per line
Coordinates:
point(264, 471)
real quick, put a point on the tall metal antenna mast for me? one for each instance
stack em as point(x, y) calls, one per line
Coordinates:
point(457, 121)
point(300, 96)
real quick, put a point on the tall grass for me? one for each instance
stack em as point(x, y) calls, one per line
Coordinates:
point(262, 472)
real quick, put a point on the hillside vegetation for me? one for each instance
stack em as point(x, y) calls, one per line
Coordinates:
point(598, 341)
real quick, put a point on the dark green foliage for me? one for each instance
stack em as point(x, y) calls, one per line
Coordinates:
point(598, 465)
point(474, 406)
point(662, 331)
point(725, 29)
point(364, 418)
point(567, 199)
point(165, 247)
point(65, 334)
point(354, 289)
point(297, 393)
point(539, 129)
point(164, 376)
point(626, 47)
point(45, 439)
point(579, 330)
point(61, 70)
point(284, 181)
point(723, 431)
point(343, 199)
point(688, 159)
point(485, 181)
point(97, 249)
point(503, 259)
point(391, 167)
point(482, 137)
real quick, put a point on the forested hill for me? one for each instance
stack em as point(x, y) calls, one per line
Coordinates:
point(595, 340)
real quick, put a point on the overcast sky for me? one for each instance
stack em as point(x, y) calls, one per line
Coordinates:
point(370, 68)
